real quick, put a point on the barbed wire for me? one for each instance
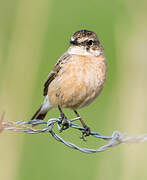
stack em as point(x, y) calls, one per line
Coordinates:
point(114, 140)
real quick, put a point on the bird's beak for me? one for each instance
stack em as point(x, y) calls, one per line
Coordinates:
point(74, 42)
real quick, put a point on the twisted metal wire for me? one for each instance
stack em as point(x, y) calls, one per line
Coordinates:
point(114, 140)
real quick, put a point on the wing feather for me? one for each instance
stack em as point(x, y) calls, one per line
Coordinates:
point(52, 75)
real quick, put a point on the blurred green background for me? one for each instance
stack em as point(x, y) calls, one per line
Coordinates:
point(33, 35)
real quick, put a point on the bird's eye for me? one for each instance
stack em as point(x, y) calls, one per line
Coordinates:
point(90, 42)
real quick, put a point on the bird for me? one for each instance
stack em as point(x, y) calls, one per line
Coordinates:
point(77, 78)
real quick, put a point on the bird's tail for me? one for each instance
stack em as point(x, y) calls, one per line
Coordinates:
point(42, 111)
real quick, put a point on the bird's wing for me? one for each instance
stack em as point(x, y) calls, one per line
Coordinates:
point(52, 75)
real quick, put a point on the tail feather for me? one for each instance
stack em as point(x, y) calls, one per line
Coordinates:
point(39, 114)
point(42, 111)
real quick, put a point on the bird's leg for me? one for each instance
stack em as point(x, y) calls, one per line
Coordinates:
point(64, 121)
point(87, 129)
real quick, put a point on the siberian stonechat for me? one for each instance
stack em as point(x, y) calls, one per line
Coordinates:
point(77, 78)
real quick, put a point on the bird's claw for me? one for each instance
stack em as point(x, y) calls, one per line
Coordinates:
point(85, 133)
point(64, 124)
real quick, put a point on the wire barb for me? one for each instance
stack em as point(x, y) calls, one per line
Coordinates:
point(114, 140)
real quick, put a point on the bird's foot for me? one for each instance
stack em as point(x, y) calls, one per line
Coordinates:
point(64, 124)
point(85, 133)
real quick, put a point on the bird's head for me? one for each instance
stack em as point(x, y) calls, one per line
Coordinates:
point(86, 43)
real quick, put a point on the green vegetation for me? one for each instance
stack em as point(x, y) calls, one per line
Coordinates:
point(33, 35)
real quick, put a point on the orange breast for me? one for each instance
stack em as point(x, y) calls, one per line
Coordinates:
point(78, 83)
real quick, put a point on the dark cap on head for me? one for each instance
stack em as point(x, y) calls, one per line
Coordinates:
point(84, 33)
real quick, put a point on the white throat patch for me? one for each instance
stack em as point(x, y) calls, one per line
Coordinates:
point(82, 51)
